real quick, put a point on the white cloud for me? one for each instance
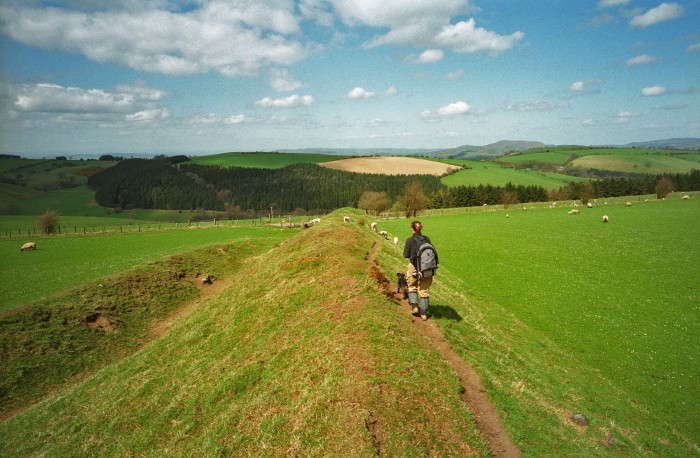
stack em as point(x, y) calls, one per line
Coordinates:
point(282, 81)
point(235, 39)
point(293, 101)
point(423, 24)
point(584, 87)
point(129, 103)
point(612, 3)
point(236, 119)
point(391, 91)
point(360, 93)
point(694, 47)
point(430, 56)
point(624, 116)
point(642, 60)
point(663, 12)
point(448, 111)
point(589, 122)
point(654, 91)
point(457, 74)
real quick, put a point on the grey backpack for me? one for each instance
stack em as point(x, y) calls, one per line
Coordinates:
point(426, 261)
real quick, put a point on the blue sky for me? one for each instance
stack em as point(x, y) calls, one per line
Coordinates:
point(200, 76)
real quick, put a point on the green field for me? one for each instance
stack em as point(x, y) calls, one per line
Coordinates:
point(636, 163)
point(263, 160)
point(620, 300)
point(488, 173)
point(68, 261)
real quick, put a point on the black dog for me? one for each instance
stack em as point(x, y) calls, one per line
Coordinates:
point(403, 284)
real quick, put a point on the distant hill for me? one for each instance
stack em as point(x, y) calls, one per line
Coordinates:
point(494, 149)
point(674, 143)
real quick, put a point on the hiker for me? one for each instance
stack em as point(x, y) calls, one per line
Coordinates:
point(418, 281)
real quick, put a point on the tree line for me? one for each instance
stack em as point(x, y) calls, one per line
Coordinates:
point(312, 189)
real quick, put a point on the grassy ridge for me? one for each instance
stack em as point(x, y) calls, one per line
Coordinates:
point(65, 262)
point(308, 359)
point(604, 317)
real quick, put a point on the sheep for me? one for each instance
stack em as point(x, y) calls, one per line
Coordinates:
point(589, 205)
point(685, 197)
point(396, 240)
point(573, 212)
point(207, 280)
point(605, 218)
point(28, 246)
point(346, 219)
point(628, 204)
point(373, 226)
point(384, 234)
point(316, 220)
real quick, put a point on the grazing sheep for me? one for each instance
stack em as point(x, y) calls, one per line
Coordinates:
point(605, 218)
point(28, 246)
point(396, 240)
point(316, 220)
point(373, 226)
point(346, 219)
point(384, 234)
point(573, 212)
point(207, 280)
point(685, 197)
point(589, 205)
point(507, 215)
point(628, 204)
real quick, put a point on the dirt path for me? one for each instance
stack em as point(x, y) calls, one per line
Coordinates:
point(475, 396)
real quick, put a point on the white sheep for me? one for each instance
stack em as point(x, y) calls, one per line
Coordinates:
point(589, 205)
point(628, 204)
point(396, 240)
point(574, 212)
point(384, 234)
point(28, 246)
point(346, 219)
point(316, 220)
point(685, 197)
point(373, 226)
point(605, 218)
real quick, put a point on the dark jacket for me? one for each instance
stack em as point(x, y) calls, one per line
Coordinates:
point(410, 249)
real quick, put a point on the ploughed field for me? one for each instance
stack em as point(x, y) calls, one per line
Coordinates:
point(391, 166)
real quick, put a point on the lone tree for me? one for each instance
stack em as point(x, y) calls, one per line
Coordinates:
point(48, 222)
point(586, 192)
point(664, 187)
point(413, 198)
point(509, 198)
point(373, 202)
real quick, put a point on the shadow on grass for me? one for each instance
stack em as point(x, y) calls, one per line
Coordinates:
point(445, 311)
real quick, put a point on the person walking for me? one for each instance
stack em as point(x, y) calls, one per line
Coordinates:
point(418, 285)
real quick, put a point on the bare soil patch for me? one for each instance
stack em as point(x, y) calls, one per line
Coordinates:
point(391, 165)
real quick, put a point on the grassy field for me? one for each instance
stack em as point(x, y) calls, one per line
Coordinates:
point(610, 312)
point(636, 163)
point(497, 175)
point(64, 262)
point(293, 365)
point(263, 160)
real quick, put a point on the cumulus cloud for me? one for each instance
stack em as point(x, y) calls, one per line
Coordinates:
point(654, 91)
point(235, 39)
point(663, 12)
point(448, 111)
point(293, 101)
point(425, 24)
point(457, 74)
point(360, 93)
point(282, 81)
point(430, 56)
point(623, 117)
point(642, 60)
point(612, 3)
point(126, 102)
point(584, 87)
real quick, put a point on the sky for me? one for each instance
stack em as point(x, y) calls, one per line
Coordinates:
point(81, 77)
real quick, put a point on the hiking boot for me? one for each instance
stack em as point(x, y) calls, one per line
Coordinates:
point(415, 310)
point(424, 317)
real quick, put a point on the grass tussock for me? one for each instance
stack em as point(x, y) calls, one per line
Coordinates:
point(301, 356)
